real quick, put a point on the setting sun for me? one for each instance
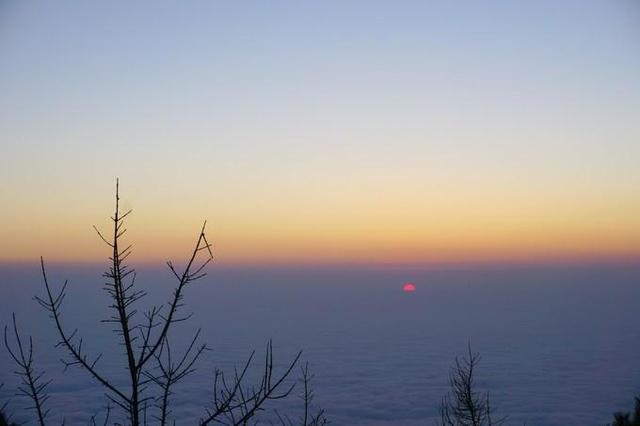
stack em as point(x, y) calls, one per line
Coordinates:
point(409, 287)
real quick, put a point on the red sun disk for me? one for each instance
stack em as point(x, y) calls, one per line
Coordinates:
point(409, 287)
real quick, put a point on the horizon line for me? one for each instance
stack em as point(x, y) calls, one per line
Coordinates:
point(632, 260)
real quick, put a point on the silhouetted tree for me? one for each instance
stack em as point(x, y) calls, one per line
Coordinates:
point(152, 364)
point(32, 384)
point(626, 419)
point(464, 405)
point(307, 419)
point(5, 420)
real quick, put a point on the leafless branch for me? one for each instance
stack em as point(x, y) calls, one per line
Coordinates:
point(150, 359)
point(33, 386)
point(52, 304)
point(170, 371)
point(307, 396)
point(465, 406)
point(191, 273)
point(235, 403)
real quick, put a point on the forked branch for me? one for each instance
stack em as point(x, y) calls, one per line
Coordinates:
point(235, 403)
point(170, 371)
point(192, 272)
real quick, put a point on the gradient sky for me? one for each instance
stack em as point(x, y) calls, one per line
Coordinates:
point(323, 132)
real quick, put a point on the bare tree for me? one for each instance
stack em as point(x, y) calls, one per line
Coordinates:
point(464, 405)
point(152, 364)
point(32, 384)
point(307, 419)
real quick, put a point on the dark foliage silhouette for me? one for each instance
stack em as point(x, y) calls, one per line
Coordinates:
point(465, 405)
point(152, 364)
point(5, 420)
point(627, 419)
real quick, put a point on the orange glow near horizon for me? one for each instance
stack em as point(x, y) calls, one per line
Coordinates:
point(366, 231)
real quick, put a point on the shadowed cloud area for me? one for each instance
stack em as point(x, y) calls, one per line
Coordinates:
point(558, 343)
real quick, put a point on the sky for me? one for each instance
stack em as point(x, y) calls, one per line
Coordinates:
point(334, 132)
